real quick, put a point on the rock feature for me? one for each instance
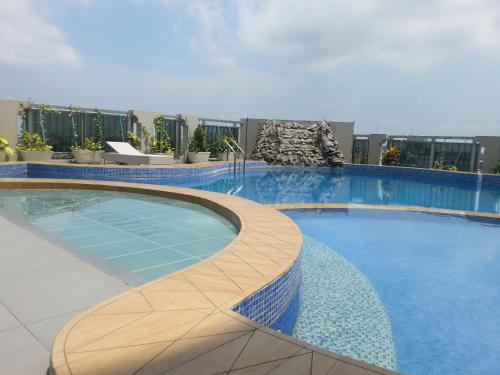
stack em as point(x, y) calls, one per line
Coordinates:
point(295, 143)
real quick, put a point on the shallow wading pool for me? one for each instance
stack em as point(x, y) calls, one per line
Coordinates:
point(136, 237)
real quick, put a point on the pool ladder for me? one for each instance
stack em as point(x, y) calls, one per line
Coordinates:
point(235, 148)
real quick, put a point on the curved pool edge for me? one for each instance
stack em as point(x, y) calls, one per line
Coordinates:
point(308, 206)
point(184, 321)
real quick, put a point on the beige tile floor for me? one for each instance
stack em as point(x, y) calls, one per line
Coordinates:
point(182, 323)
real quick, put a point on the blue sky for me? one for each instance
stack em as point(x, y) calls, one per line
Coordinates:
point(402, 67)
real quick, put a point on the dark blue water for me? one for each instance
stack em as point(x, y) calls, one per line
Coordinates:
point(438, 277)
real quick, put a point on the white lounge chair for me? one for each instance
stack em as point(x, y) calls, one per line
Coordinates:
point(126, 154)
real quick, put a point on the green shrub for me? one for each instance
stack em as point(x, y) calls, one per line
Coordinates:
point(496, 168)
point(5, 147)
point(160, 143)
point(199, 141)
point(134, 140)
point(33, 142)
point(90, 144)
point(391, 156)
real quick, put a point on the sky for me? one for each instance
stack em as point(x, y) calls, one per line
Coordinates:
point(427, 67)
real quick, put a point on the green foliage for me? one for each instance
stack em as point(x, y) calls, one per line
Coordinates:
point(496, 168)
point(33, 142)
point(73, 109)
point(98, 129)
point(391, 156)
point(440, 164)
point(43, 109)
point(90, 144)
point(5, 147)
point(220, 146)
point(24, 112)
point(134, 140)
point(160, 143)
point(199, 141)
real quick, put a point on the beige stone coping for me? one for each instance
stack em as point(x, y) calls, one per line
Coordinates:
point(182, 323)
point(301, 206)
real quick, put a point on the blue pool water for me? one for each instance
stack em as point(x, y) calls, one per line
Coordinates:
point(437, 277)
point(140, 237)
point(317, 185)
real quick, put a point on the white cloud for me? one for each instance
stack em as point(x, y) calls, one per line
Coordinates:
point(26, 38)
point(213, 39)
point(322, 34)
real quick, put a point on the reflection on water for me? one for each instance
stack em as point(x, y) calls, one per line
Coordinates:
point(33, 204)
point(339, 186)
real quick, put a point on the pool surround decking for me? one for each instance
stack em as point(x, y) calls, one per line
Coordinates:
point(183, 323)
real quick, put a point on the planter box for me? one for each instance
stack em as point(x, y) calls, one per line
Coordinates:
point(88, 157)
point(198, 157)
point(226, 156)
point(36, 155)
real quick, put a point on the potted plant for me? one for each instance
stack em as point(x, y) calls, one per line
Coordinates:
point(91, 150)
point(198, 147)
point(391, 156)
point(33, 148)
point(5, 147)
point(89, 153)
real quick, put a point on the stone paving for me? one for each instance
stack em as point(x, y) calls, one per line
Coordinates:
point(42, 287)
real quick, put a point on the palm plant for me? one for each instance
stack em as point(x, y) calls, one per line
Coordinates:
point(5, 147)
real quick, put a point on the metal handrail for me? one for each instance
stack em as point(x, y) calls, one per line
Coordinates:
point(229, 145)
point(238, 147)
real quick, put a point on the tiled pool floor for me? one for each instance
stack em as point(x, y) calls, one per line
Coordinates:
point(436, 275)
point(340, 310)
point(142, 235)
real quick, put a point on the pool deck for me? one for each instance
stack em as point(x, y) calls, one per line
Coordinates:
point(42, 287)
point(183, 323)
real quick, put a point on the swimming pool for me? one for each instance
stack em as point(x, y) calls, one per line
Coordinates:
point(352, 184)
point(375, 284)
point(318, 185)
point(429, 283)
point(136, 237)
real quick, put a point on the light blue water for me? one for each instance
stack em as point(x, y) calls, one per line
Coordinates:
point(308, 185)
point(143, 236)
point(438, 277)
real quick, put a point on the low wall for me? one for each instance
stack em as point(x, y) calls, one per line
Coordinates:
point(270, 303)
point(462, 177)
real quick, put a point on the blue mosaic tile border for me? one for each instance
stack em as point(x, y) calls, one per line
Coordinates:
point(103, 173)
point(268, 304)
point(19, 170)
point(487, 179)
point(72, 171)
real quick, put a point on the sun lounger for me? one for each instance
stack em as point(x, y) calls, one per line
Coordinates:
point(126, 154)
